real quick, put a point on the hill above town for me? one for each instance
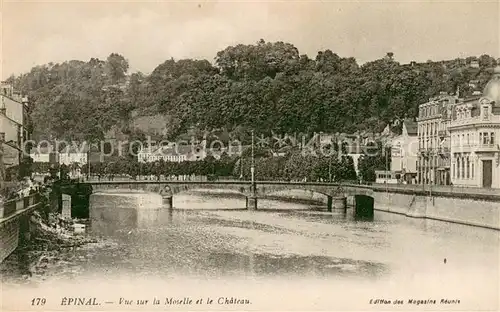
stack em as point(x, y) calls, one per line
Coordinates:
point(269, 87)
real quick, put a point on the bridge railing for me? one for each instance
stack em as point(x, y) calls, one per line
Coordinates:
point(10, 207)
point(412, 188)
point(95, 178)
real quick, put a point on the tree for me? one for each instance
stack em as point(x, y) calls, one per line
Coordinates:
point(116, 68)
point(377, 159)
point(25, 167)
point(268, 86)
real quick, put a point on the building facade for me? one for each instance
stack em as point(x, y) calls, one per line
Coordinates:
point(434, 117)
point(67, 156)
point(475, 133)
point(404, 153)
point(172, 153)
point(12, 120)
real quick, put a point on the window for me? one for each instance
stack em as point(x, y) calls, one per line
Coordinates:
point(453, 171)
point(492, 138)
point(472, 169)
point(485, 112)
point(458, 168)
point(462, 175)
point(468, 168)
point(486, 138)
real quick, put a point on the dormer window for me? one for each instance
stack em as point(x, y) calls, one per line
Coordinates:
point(485, 112)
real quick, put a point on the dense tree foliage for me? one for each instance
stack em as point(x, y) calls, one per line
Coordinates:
point(292, 167)
point(377, 157)
point(263, 86)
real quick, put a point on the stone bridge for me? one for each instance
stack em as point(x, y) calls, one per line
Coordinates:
point(335, 193)
point(469, 206)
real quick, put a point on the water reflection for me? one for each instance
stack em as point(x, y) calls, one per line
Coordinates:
point(213, 236)
point(107, 222)
point(112, 213)
point(198, 238)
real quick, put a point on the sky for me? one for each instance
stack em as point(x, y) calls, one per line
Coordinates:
point(149, 32)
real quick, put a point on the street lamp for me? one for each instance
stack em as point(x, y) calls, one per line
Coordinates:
point(88, 161)
point(330, 168)
point(241, 168)
point(386, 168)
point(252, 168)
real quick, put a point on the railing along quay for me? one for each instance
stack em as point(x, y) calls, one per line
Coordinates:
point(14, 207)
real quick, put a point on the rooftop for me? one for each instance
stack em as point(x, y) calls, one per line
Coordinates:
point(492, 89)
point(180, 149)
point(411, 127)
point(46, 149)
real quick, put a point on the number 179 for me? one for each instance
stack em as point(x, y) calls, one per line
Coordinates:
point(38, 301)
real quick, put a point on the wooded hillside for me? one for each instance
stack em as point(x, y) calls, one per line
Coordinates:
point(265, 86)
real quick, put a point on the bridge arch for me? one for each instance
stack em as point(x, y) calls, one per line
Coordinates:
point(263, 188)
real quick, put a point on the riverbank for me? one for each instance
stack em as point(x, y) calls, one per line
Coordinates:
point(478, 210)
point(49, 247)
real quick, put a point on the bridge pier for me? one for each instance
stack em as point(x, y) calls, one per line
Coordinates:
point(167, 202)
point(66, 206)
point(251, 202)
point(363, 207)
point(337, 203)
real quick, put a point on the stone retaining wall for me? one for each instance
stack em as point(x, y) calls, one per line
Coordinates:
point(9, 237)
point(10, 213)
point(470, 211)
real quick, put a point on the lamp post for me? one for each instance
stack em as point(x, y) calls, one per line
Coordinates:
point(241, 168)
point(330, 169)
point(424, 169)
point(386, 168)
point(252, 168)
point(88, 161)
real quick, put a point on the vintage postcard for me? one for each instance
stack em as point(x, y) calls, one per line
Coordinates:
point(249, 155)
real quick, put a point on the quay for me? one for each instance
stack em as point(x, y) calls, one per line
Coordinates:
point(477, 207)
point(15, 222)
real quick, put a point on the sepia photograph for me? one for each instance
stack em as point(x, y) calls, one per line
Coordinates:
point(245, 155)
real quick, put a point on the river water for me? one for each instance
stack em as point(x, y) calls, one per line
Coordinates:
point(285, 256)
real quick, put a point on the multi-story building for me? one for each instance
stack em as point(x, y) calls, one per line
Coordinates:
point(12, 121)
point(172, 153)
point(404, 153)
point(67, 156)
point(433, 164)
point(40, 154)
point(475, 134)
